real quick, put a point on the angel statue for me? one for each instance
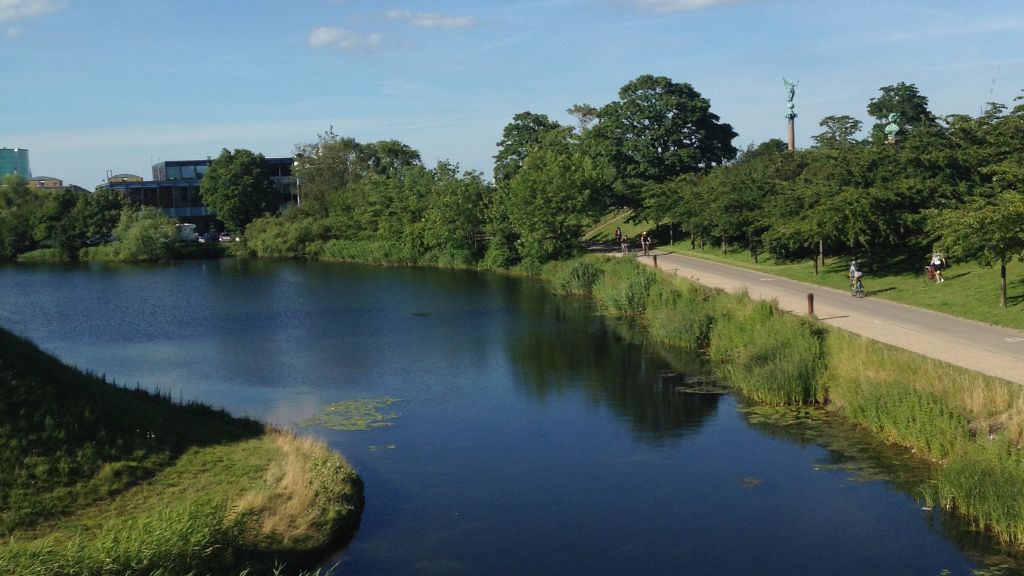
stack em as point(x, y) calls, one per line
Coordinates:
point(790, 92)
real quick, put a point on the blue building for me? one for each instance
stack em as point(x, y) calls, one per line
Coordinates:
point(175, 187)
point(14, 161)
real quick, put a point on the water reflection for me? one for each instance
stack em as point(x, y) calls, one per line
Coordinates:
point(616, 365)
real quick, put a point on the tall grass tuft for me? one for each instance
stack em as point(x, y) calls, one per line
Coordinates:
point(984, 485)
point(681, 314)
point(625, 287)
point(368, 251)
point(769, 356)
point(576, 277)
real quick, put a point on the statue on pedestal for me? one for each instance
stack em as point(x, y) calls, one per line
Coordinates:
point(892, 128)
point(790, 93)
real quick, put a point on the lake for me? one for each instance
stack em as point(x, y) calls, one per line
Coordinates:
point(528, 433)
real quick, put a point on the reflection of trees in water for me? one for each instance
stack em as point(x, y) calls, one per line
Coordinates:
point(852, 448)
point(576, 350)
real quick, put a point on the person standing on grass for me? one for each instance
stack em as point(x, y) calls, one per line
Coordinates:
point(625, 244)
point(938, 265)
point(618, 235)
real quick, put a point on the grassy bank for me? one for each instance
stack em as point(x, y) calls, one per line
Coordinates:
point(104, 480)
point(970, 291)
point(971, 424)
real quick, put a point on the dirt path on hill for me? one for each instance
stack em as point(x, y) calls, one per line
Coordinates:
point(988, 349)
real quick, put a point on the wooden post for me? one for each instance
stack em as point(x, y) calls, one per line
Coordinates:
point(810, 304)
point(655, 258)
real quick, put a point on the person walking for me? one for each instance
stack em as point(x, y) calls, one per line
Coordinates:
point(618, 235)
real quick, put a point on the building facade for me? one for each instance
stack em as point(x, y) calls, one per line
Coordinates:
point(174, 188)
point(45, 182)
point(14, 161)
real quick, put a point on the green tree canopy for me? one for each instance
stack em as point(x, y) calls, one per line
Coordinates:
point(906, 101)
point(525, 131)
point(660, 129)
point(237, 186)
point(838, 131)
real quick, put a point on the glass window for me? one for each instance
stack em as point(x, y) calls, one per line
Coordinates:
point(173, 172)
point(188, 172)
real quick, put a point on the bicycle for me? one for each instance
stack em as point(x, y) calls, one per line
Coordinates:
point(857, 290)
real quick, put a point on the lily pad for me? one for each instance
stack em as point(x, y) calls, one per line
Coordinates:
point(360, 414)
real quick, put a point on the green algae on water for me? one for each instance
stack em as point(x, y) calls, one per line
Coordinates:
point(359, 414)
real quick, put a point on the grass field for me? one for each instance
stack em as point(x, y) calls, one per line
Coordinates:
point(970, 291)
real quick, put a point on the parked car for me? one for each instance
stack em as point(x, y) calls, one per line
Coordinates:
point(208, 237)
point(225, 237)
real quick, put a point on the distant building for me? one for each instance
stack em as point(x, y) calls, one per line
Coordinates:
point(45, 182)
point(14, 161)
point(175, 187)
point(124, 178)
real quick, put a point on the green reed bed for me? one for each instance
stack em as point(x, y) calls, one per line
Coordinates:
point(970, 424)
point(767, 355)
point(625, 287)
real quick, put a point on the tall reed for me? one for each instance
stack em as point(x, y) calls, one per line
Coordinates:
point(769, 356)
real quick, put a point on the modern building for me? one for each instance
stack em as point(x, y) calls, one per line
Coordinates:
point(14, 161)
point(45, 182)
point(175, 187)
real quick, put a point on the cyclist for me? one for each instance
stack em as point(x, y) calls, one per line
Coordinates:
point(645, 243)
point(856, 286)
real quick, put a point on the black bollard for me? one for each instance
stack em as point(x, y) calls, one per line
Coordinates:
point(655, 258)
point(810, 304)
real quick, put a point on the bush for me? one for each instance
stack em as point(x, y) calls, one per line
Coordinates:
point(43, 255)
point(145, 235)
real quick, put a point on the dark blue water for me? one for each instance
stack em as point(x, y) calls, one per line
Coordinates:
point(533, 435)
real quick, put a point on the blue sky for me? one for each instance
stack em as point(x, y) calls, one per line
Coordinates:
point(92, 86)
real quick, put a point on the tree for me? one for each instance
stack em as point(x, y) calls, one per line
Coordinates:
point(526, 130)
point(454, 221)
point(902, 99)
point(145, 235)
point(51, 222)
point(839, 131)
point(237, 186)
point(549, 201)
point(387, 156)
point(660, 129)
point(585, 115)
point(988, 231)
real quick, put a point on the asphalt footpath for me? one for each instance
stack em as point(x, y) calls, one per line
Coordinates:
point(992, 350)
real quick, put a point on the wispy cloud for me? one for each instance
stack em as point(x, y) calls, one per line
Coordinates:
point(12, 33)
point(18, 9)
point(426, 20)
point(678, 5)
point(325, 36)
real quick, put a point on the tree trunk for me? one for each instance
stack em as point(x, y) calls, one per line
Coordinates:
point(753, 250)
point(725, 249)
point(821, 255)
point(815, 258)
point(1002, 282)
point(693, 241)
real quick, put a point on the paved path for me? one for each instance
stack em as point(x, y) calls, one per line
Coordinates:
point(981, 347)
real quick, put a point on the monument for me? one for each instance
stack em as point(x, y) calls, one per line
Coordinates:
point(892, 128)
point(790, 114)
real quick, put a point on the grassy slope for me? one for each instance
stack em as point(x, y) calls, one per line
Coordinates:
point(102, 480)
point(971, 291)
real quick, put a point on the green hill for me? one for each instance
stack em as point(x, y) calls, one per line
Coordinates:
point(97, 479)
